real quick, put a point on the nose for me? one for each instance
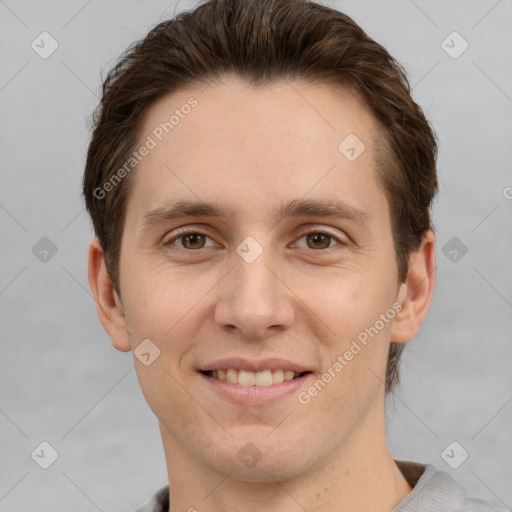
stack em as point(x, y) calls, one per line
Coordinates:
point(254, 300)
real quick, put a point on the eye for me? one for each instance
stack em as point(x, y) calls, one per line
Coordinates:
point(191, 240)
point(319, 240)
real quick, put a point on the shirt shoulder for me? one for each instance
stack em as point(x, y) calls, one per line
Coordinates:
point(475, 505)
point(436, 491)
point(159, 502)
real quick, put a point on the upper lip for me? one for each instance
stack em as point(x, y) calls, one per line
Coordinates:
point(239, 363)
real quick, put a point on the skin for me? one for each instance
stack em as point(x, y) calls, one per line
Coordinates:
point(252, 149)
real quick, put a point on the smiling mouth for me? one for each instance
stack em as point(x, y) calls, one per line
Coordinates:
point(248, 378)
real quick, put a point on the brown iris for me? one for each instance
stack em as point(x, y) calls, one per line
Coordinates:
point(193, 241)
point(319, 238)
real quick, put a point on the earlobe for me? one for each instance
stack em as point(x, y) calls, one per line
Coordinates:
point(415, 294)
point(108, 305)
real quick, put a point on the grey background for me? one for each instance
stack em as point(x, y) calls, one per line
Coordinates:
point(62, 382)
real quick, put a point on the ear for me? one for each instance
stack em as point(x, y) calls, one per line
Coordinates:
point(415, 294)
point(108, 304)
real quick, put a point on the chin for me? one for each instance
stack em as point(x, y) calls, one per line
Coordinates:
point(264, 471)
point(259, 460)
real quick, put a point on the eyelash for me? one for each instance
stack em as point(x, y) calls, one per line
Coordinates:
point(186, 232)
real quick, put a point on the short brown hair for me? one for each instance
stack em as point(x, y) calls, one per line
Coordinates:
point(265, 41)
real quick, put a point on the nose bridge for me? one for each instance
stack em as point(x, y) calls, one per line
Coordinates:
point(252, 298)
point(256, 281)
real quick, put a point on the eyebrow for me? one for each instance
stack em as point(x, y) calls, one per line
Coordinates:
point(295, 208)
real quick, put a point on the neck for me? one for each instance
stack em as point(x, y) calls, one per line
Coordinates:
point(360, 476)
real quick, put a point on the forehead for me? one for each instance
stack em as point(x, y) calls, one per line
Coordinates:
point(235, 143)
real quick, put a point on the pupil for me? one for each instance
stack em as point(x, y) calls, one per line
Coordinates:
point(320, 238)
point(194, 239)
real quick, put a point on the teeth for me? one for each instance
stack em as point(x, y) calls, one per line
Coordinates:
point(263, 378)
point(288, 374)
point(277, 376)
point(232, 376)
point(246, 378)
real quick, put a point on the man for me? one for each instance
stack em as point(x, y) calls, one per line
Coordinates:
point(260, 183)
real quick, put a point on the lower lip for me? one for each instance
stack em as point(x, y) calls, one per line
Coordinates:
point(255, 395)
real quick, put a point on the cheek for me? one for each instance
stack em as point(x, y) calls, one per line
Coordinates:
point(359, 315)
point(165, 311)
point(348, 305)
point(157, 298)
point(168, 307)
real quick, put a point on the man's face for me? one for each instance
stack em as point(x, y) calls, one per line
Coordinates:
point(257, 288)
